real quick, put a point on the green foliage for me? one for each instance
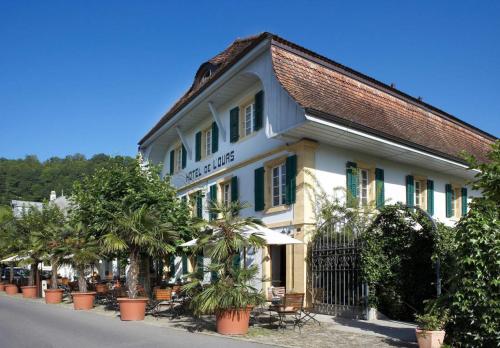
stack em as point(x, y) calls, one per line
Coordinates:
point(131, 210)
point(31, 180)
point(396, 262)
point(432, 320)
point(224, 239)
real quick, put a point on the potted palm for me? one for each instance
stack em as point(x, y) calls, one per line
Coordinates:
point(230, 295)
point(430, 331)
point(137, 231)
point(50, 240)
point(83, 250)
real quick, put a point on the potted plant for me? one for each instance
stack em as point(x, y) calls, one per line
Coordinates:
point(137, 231)
point(83, 251)
point(51, 240)
point(430, 331)
point(230, 295)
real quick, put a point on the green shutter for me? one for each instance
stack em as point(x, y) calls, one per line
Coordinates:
point(430, 197)
point(172, 161)
point(259, 110)
point(449, 209)
point(184, 264)
point(215, 137)
point(213, 200)
point(464, 201)
point(184, 157)
point(259, 189)
point(237, 261)
point(379, 188)
point(291, 173)
point(234, 189)
point(172, 265)
point(234, 124)
point(199, 205)
point(199, 264)
point(410, 191)
point(351, 184)
point(198, 147)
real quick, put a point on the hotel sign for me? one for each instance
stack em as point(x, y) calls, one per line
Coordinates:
point(216, 163)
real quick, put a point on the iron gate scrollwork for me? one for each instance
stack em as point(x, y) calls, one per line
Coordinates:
point(337, 288)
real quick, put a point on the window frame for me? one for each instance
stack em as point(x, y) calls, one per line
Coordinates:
point(360, 187)
point(281, 185)
point(177, 158)
point(251, 120)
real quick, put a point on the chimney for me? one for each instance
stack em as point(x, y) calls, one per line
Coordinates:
point(53, 196)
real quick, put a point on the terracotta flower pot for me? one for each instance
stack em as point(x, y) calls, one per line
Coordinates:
point(53, 296)
point(11, 289)
point(430, 339)
point(2, 287)
point(83, 300)
point(234, 321)
point(101, 288)
point(132, 308)
point(29, 291)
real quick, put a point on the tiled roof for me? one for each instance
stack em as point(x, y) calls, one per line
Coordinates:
point(337, 93)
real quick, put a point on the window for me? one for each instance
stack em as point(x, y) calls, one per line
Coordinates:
point(208, 142)
point(456, 202)
point(206, 75)
point(363, 181)
point(279, 184)
point(419, 194)
point(226, 193)
point(178, 159)
point(249, 124)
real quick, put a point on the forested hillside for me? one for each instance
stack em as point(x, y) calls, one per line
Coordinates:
point(32, 180)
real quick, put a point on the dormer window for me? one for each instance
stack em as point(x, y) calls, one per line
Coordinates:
point(206, 75)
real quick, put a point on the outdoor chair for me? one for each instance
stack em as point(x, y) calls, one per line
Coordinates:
point(309, 312)
point(161, 297)
point(292, 307)
point(275, 295)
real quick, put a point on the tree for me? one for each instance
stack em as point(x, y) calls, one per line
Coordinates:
point(136, 231)
point(114, 194)
point(475, 291)
point(224, 240)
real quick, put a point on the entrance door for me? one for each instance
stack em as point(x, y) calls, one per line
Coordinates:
point(278, 265)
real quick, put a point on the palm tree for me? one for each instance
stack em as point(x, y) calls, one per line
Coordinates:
point(223, 239)
point(138, 231)
point(82, 250)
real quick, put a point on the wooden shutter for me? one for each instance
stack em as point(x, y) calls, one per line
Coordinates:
point(430, 197)
point(215, 137)
point(184, 264)
point(213, 199)
point(234, 189)
point(199, 264)
point(410, 191)
point(184, 157)
point(449, 210)
point(291, 173)
point(259, 189)
point(197, 146)
point(199, 205)
point(464, 201)
point(172, 266)
point(172, 161)
point(379, 188)
point(259, 110)
point(234, 125)
point(351, 184)
point(236, 261)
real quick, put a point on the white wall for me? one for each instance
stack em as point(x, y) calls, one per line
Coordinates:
point(331, 170)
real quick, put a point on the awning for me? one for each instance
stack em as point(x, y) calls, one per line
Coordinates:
point(14, 258)
point(270, 236)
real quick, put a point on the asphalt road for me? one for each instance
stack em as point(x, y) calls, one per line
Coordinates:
point(30, 324)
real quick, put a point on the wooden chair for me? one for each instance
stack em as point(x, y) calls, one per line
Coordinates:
point(292, 307)
point(161, 297)
point(274, 292)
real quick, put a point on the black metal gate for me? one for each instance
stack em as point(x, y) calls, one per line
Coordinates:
point(336, 284)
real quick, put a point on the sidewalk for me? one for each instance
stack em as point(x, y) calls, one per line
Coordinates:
point(332, 332)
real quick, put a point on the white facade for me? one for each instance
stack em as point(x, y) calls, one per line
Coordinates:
point(321, 158)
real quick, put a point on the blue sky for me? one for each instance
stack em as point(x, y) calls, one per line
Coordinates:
point(95, 76)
